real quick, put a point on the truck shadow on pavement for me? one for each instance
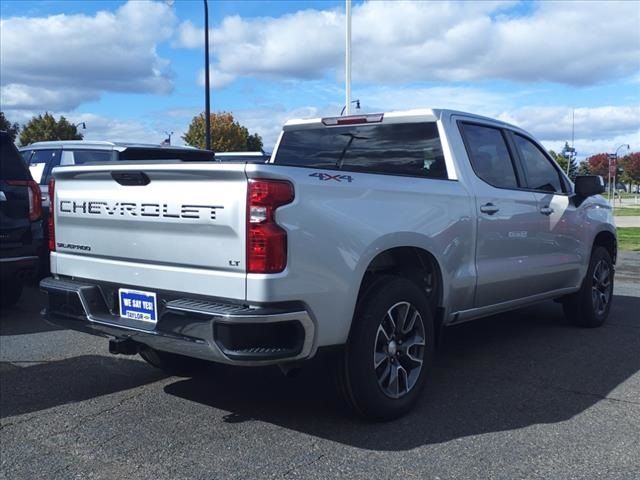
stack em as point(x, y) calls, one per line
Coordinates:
point(24, 317)
point(50, 384)
point(502, 373)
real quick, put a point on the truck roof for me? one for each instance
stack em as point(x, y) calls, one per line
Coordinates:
point(419, 114)
point(99, 145)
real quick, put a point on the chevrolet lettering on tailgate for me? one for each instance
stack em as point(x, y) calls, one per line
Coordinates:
point(134, 209)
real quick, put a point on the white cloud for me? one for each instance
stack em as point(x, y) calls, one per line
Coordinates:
point(585, 147)
point(596, 123)
point(565, 42)
point(217, 78)
point(100, 127)
point(468, 99)
point(60, 61)
point(18, 96)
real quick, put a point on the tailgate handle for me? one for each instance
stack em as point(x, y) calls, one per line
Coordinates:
point(131, 178)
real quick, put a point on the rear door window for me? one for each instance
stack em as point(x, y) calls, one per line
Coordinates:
point(411, 149)
point(489, 155)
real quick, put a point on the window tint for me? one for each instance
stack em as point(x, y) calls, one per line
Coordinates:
point(398, 149)
point(489, 155)
point(538, 170)
point(41, 162)
point(11, 165)
point(89, 156)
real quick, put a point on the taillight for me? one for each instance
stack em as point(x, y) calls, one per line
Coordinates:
point(52, 211)
point(266, 241)
point(35, 200)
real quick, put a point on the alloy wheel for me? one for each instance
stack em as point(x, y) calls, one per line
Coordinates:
point(399, 349)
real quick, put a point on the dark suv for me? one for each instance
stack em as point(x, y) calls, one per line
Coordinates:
point(21, 235)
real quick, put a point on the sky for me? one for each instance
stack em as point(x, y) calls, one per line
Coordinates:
point(134, 71)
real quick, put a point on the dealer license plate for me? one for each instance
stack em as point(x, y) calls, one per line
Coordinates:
point(138, 305)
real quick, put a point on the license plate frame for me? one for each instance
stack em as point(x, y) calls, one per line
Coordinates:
point(138, 305)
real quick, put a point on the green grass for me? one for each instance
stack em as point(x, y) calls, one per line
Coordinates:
point(629, 239)
point(628, 195)
point(626, 211)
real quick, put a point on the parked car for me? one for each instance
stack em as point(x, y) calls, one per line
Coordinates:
point(363, 237)
point(20, 223)
point(43, 157)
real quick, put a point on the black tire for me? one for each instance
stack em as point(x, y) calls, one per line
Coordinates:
point(10, 293)
point(370, 389)
point(590, 306)
point(171, 363)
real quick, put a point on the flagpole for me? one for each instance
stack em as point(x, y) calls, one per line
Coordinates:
point(207, 101)
point(347, 67)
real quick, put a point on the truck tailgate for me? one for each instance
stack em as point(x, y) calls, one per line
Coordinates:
point(178, 226)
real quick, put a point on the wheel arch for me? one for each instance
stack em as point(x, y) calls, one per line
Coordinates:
point(608, 240)
point(410, 260)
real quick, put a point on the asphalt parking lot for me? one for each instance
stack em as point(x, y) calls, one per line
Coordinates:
point(522, 395)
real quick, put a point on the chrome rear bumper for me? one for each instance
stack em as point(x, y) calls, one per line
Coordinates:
point(209, 330)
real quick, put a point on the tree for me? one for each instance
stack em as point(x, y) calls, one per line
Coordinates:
point(630, 165)
point(599, 164)
point(567, 156)
point(583, 169)
point(12, 129)
point(227, 135)
point(46, 127)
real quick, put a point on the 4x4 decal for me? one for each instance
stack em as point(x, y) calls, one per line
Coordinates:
point(327, 176)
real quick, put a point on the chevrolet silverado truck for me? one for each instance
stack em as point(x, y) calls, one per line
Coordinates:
point(367, 233)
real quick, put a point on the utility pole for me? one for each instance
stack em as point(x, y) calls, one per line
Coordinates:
point(207, 103)
point(573, 134)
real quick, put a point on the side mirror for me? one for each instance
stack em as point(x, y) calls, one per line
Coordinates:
point(589, 185)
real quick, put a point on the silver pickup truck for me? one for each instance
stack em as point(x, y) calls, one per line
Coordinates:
point(366, 233)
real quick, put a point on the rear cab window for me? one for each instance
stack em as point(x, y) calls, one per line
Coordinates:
point(406, 149)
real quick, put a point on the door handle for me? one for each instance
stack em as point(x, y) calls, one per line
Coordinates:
point(546, 210)
point(489, 208)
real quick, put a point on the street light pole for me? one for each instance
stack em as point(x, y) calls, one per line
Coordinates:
point(615, 157)
point(207, 103)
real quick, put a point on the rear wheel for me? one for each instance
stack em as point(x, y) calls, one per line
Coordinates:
point(171, 363)
point(589, 307)
point(390, 350)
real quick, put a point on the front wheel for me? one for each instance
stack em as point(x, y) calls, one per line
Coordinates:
point(390, 350)
point(590, 306)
